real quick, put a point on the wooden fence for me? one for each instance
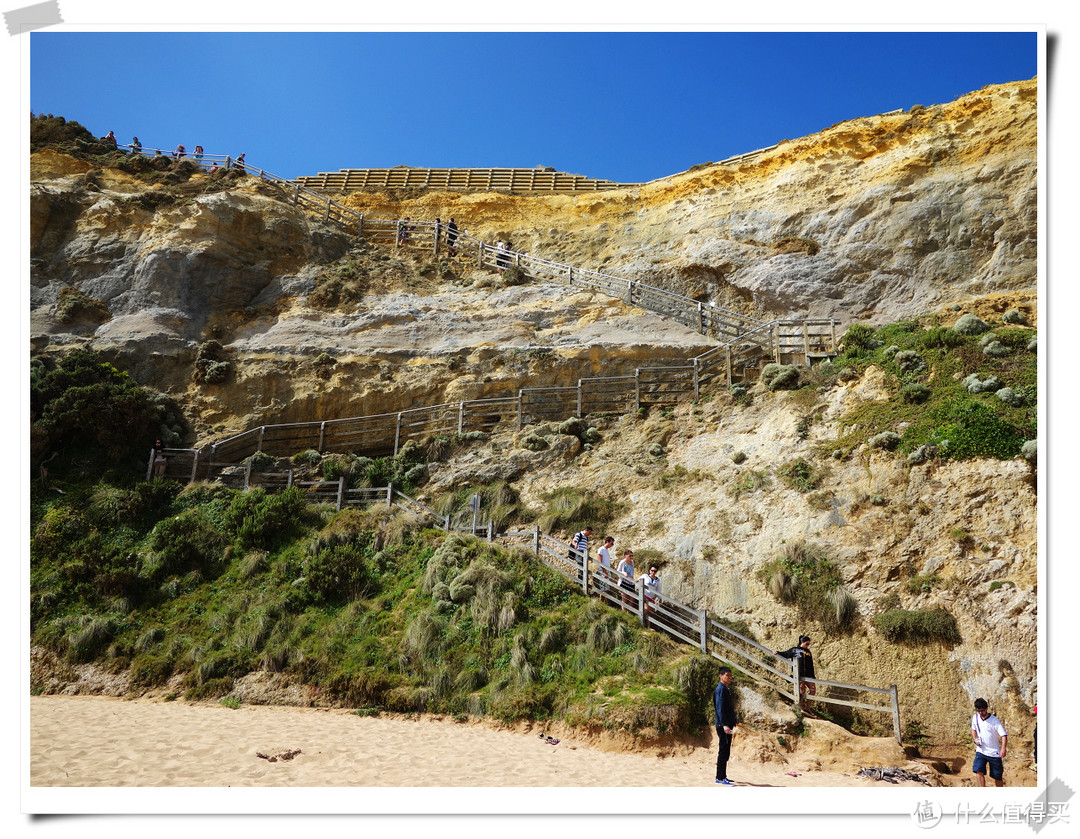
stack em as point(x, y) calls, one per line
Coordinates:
point(702, 631)
point(458, 180)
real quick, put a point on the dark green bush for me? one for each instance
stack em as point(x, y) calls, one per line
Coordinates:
point(922, 626)
point(258, 519)
point(340, 572)
point(48, 130)
point(89, 417)
point(186, 542)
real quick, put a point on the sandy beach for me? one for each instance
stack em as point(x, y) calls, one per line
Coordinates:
point(93, 741)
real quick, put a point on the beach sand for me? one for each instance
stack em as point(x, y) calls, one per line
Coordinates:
point(94, 741)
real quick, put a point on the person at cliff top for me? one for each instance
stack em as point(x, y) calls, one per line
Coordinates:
point(180, 151)
point(136, 146)
point(800, 653)
point(238, 164)
point(198, 152)
point(991, 743)
point(110, 138)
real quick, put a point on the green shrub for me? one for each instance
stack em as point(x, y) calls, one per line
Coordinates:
point(258, 519)
point(738, 457)
point(211, 365)
point(89, 417)
point(1014, 316)
point(779, 376)
point(72, 304)
point(747, 481)
point(1030, 450)
point(183, 543)
point(800, 475)
point(803, 576)
point(260, 462)
point(48, 130)
point(915, 393)
point(859, 337)
point(922, 626)
point(887, 440)
point(971, 324)
point(308, 457)
point(341, 572)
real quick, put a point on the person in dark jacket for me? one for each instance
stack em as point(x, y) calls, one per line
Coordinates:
point(800, 653)
point(724, 706)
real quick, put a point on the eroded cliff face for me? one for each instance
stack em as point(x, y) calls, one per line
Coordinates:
point(899, 214)
point(892, 529)
point(875, 219)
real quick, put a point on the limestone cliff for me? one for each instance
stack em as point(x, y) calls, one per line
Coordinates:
point(931, 209)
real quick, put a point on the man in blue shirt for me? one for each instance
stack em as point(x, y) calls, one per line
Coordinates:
point(724, 706)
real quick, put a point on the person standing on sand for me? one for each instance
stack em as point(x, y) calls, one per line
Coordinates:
point(724, 708)
point(991, 742)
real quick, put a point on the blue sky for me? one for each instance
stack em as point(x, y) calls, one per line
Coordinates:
point(629, 106)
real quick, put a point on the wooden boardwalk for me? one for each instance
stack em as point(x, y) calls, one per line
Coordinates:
point(541, 179)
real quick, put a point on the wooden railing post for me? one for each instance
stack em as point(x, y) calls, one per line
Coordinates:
point(729, 381)
point(895, 712)
point(704, 631)
point(536, 539)
point(639, 586)
point(397, 434)
point(479, 254)
point(195, 466)
point(389, 496)
point(247, 474)
point(637, 390)
point(340, 492)
point(696, 380)
point(322, 435)
point(579, 389)
point(262, 431)
point(360, 226)
point(327, 209)
point(461, 418)
point(795, 681)
point(520, 409)
point(288, 483)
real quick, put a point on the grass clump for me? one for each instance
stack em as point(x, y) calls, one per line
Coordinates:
point(800, 475)
point(804, 577)
point(568, 509)
point(921, 626)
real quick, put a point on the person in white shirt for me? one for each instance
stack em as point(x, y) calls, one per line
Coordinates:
point(650, 590)
point(604, 557)
point(991, 742)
